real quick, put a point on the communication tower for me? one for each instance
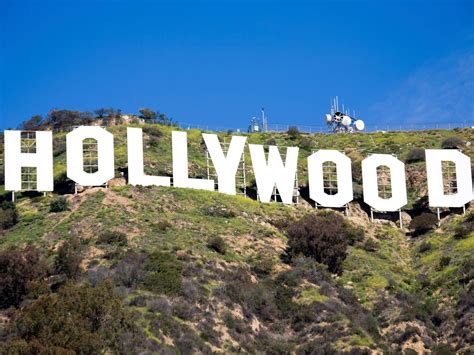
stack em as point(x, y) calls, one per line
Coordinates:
point(259, 125)
point(341, 121)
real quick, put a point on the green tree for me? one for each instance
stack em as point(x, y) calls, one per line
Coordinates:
point(33, 124)
point(148, 115)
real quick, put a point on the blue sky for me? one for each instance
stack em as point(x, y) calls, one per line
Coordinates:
point(217, 62)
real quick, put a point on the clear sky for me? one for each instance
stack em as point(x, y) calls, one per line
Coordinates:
point(217, 62)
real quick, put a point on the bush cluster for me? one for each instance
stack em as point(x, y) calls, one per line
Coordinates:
point(323, 236)
point(465, 228)
point(78, 319)
point(20, 270)
point(423, 223)
point(306, 144)
point(163, 273)
point(415, 155)
point(59, 204)
point(424, 247)
point(115, 238)
point(68, 259)
point(153, 131)
point(217, 244)
point(452, 143)
point(8, 215)
point(271, 141)
point(293, 132)
point(443, 262)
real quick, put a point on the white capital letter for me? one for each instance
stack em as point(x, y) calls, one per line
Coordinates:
point(105, 152)
point(370, 183)
point(226, 166)
point(42, 160)
point(275, 172)
point(136, 175)
point(316, 182)
point(437, 198)
point(180, 165)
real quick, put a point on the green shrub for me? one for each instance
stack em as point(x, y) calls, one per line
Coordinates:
point(293, 132)
point(152, 131)
point(465, 228)
point(415, 155)
point(259, 300)
point(370, 245)
point(163, 273)
point(424, 307)
point(19, 268)
point(466, 271)
point(443, 262)
point(424, 246)
point(423, 223)
point(217, 244)
point(78, 319)
point(68, 259)
point(452, 143)
point(443, 349)
point(115, 238)
point(354, 234)
point(306, 144)
point(162, 225)
point(264, 266)
point(8, 215)
point(271, 141)
point(59, 204)
point(463, 231)
point(322, 236)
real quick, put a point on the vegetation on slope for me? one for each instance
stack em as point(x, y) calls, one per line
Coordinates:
point(150, 269)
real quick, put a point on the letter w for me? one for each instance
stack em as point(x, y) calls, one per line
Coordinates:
point(274, 173)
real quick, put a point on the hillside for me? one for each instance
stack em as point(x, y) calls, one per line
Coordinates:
point(185, 271)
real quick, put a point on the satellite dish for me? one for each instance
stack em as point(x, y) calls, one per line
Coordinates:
point(359, 125)
point(346, 120)
point(328, 118)
point(338, 117)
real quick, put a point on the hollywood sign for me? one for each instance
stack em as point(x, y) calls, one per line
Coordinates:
point(270, 171)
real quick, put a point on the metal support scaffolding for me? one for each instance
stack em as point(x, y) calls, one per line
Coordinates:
point(330, 182)
point(330, 178)
point(90, 155)
point(384, 182)
point(240, 177)
point(28, 174)
point(296, 192)
point(450, 186)
point(90, 158)
point(384, 185)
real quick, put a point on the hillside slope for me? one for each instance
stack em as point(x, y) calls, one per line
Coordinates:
point(196, 271)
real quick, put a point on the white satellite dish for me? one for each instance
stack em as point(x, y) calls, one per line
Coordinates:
point(359, 125)
point(346, 120)
point(328, 118)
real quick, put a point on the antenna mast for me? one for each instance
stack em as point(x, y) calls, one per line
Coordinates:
point(264, 120)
